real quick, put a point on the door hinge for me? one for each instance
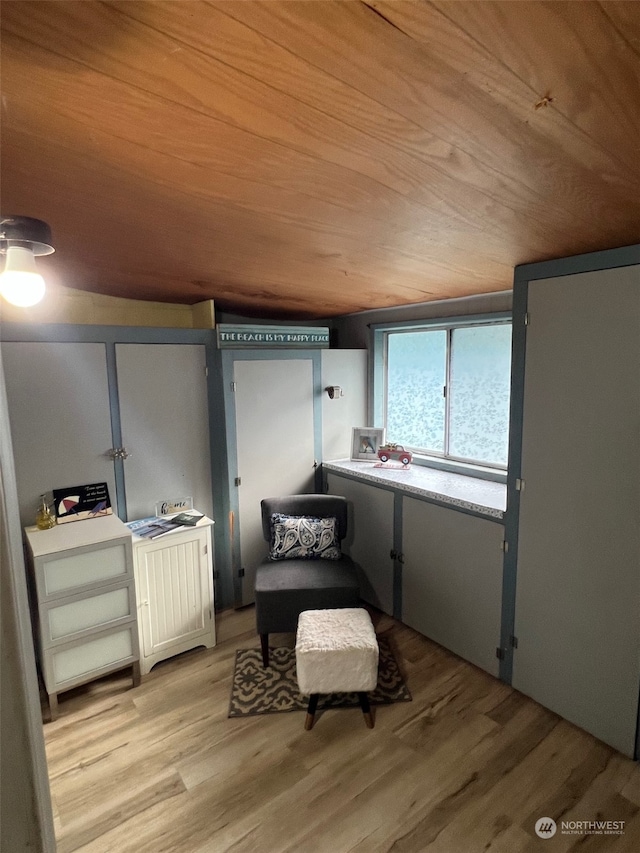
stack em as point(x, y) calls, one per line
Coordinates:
point(206, 549)
point(444, 390)
point(233, 386)
point(206, 371)
point(500, 653)
point(240, 573)
point(505, 545)
point(513, 641)
point(238, 481)
point(526, 319)
point(519, 485)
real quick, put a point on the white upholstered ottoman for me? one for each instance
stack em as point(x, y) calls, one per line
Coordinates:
point(336, 652)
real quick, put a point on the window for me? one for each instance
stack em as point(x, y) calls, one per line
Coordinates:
point(445, 389)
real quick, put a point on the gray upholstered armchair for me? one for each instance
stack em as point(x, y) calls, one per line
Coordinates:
point(287, 582)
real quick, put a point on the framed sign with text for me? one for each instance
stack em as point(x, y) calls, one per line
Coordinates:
point(79, 502)
point(242, 336)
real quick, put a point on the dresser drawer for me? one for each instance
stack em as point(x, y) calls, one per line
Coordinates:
point(83, 568)
point(84, 614)
point(72, 663)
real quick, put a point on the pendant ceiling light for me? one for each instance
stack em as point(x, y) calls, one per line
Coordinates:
point(21, 240)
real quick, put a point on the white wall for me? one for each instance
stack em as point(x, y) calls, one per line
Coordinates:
point(26, 822)
point(353, 329)
point(348, 369)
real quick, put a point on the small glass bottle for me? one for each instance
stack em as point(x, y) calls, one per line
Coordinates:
point(44, 517)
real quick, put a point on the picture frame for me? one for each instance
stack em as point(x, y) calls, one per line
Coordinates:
point(365, 442)
point(78, 503)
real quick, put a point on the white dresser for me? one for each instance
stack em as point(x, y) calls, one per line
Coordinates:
point(174, 583)
point(84, 591)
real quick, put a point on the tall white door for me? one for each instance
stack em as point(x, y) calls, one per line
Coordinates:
point(578, 576)
point(165, 425)
point(58, 399)
point(275, 446)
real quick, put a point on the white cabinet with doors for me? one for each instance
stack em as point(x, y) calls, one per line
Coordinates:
point(452, 579)
point(162, 391)
point(369, 540)
point(174, 583)
point(433, 566)
point(69, 403)
point(85, 620)
point(577, 586)
point(58, 398)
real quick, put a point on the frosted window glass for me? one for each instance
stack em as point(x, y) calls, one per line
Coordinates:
point(91, 656)
point(416, 371)
point(88, 612)
point(479, 393)
point(77, 570)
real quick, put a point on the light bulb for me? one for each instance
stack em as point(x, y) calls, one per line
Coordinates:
point(20, 283)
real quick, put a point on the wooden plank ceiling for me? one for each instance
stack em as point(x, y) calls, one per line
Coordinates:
point(310, 159)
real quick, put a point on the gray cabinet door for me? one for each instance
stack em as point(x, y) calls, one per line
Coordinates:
point(58, 399)
point(578, 575)
point(274, 427)
point(452, 579)
point(369, 539)
point(164, 415)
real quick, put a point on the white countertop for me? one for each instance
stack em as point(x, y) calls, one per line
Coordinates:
point(457, 490)
point(75, 534)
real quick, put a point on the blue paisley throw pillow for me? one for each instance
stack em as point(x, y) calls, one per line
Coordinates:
point(300, 537)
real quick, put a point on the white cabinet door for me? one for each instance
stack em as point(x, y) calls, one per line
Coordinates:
point(58, 399)
point(275, 445)
point(165, 425)
point(452, 579)
point(578, 573)
point(174, 587)
point(369, 539)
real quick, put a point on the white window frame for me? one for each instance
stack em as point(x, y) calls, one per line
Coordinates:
point(378, 384)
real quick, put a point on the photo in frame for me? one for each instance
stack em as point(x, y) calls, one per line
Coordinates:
point(365, 442)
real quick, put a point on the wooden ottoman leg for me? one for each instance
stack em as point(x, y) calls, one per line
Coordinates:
point(264, 643)
point(311, 711)
point(366, 709)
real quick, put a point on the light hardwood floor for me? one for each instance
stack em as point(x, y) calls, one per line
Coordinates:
point(469, 765)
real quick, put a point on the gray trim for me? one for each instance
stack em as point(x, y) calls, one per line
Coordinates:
point(116, 429)
point(376, 378)
point(636, 754)
point(233, 554)
point(68, 333)
point(518, 350)
point(607, 259)
point(223, 578)
point(397, 547)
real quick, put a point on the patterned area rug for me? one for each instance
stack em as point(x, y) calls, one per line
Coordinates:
point(256, 690)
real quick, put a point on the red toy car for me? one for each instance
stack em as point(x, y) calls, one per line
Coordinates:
point(394, 451)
